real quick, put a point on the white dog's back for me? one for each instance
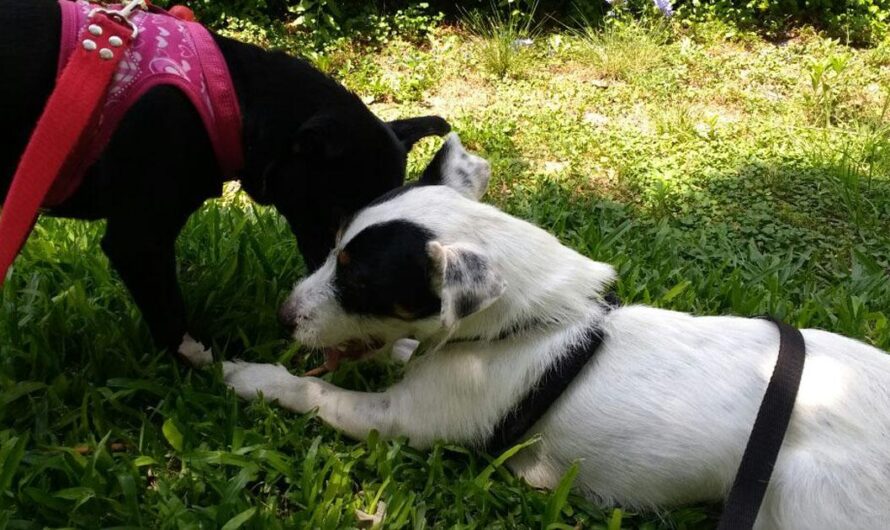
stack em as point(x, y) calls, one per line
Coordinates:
point(662, 415)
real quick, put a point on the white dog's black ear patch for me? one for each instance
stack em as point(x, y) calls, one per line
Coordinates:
point(455, 167)
point(465, 280)
point(384, 271)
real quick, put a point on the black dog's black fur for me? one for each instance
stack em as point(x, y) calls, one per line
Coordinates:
point(312, 149)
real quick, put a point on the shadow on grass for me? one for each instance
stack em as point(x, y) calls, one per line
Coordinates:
point(741, 243)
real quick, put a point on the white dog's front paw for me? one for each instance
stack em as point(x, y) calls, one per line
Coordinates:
point(273, 380)
point(246, 379)
point(194, 352)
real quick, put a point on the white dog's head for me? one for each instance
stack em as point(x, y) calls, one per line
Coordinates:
point(428, 258)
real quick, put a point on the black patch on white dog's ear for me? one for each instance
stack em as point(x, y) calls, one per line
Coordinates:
point(455, 167)
point(465, 280)
point(410, 130)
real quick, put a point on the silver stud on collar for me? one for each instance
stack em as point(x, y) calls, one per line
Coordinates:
point(116, 41)
point(94, 30)
point(89, 45)
point(106, 54)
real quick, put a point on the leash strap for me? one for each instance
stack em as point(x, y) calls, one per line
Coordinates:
point(72, 106)
point(745, 497)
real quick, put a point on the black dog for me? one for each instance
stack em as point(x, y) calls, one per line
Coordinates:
point(312, 149)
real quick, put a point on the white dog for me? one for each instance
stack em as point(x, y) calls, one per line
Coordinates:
point(659, 417)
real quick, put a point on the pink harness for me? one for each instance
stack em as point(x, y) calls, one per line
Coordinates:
point(167, 51)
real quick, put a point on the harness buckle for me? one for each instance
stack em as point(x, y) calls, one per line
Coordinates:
point(123, 15)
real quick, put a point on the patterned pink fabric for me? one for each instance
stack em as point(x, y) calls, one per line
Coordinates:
point(168, 51)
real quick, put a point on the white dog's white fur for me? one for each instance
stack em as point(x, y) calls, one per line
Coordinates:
point(660, 416)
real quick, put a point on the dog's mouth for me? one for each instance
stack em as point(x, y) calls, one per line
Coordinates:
point(350, 350)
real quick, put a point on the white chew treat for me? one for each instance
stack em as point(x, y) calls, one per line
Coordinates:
point(403, 349)
point(195, 352)
point(373, 520)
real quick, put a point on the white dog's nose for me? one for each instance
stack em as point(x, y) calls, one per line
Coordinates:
point(287, 314)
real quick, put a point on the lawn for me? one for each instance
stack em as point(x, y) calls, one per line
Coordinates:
point(720, 172)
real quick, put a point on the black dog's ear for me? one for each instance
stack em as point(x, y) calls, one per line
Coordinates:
point(318, 138)
point(315, 142)
point(410, 130)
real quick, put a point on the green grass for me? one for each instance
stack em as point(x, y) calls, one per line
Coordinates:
point(626, 50)
point(503, 39)
point(703, 177)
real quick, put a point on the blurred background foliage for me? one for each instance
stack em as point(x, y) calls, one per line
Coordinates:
point(858, 22)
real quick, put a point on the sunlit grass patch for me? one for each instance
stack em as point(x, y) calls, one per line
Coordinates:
point(627, 49)
point(504, 40)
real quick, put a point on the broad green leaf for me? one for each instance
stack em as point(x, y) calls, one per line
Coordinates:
point(560, 495)
point(11, 454)
point(142, 461)
point(483, 479)
point(615, 520)
point(75, 494)
point(18, 390)
point(172, 434)
point(238, 521)
point(675, 291)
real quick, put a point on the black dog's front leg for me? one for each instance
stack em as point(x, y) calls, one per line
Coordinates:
point(147, 264)
point(157, 170)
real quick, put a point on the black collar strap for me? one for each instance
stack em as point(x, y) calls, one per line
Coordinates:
point(556, 379)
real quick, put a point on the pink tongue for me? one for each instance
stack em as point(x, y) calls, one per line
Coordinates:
point(332, 358)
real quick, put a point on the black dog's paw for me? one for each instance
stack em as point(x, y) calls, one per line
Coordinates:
point(193, 353)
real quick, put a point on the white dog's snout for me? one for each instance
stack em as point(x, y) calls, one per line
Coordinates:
point(289, 315)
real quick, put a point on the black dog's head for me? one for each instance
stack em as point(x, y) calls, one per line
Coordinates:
point(331, 166)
